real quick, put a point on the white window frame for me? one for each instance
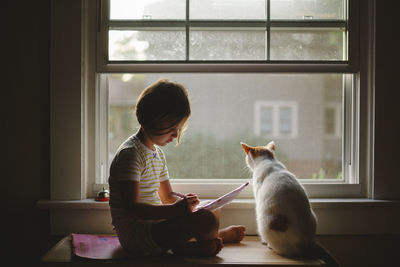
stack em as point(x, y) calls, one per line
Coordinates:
point(73, 179)
point(276, 105)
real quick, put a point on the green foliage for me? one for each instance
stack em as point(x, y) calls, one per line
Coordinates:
point(322, 175)
point(205, 156)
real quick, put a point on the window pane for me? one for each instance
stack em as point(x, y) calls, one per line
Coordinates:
point(285, 120)
point(307, 44)
point(149, 9)
point(227, 45)
point(147, 45)
point(266, 120)
point(307, 9)
point(224, 113)
point(227, 10)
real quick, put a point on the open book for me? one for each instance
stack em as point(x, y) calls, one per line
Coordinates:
point(223, 200)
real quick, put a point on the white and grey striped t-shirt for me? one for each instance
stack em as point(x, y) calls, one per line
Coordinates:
point(134, 161)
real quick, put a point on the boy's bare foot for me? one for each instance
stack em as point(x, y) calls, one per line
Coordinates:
point(202, 248)
point(232, 234)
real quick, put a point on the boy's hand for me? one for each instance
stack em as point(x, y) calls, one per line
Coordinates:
point(192, 200)
point(187, 204)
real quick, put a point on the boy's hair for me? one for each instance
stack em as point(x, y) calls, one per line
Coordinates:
point(163, 101)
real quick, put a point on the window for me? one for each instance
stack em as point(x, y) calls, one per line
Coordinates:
point(275, 119)
point(264, 73)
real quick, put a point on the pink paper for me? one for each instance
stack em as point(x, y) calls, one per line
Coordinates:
point(97, 247)
point(225, 199)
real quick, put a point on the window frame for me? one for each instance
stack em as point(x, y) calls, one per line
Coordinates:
point(73, 180)
point(351, 187)
point(350, 65)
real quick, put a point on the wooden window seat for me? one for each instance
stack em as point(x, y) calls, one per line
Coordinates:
point(250, 252)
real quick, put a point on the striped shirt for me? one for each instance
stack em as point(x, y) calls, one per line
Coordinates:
point(136, 162)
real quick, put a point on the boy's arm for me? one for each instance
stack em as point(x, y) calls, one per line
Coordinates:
point(167, 196)
point(130, 198)
point(165, 193)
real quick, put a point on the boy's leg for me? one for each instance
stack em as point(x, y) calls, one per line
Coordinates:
point(176, 233)
point(232, 233)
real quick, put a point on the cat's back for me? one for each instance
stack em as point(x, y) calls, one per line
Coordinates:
point(283, 183)
point(282, 193)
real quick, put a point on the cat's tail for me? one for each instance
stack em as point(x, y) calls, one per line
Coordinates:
point(317, 250)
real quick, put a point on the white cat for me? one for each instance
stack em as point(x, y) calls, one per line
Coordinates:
point(285, 220)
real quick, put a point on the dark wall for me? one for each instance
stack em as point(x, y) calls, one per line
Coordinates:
point(387, 119)
point(25, 122)
point(26, 112)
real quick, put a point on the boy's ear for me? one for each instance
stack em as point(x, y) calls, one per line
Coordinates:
point(245, 147)
point(271, 146)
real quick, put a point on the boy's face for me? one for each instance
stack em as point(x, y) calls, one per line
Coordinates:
point(168, 135)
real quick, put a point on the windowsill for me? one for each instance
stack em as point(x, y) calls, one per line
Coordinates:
point(335, 216)
point(317, 203)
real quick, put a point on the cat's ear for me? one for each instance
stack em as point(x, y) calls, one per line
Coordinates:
point(246, 147)
point(271, 146)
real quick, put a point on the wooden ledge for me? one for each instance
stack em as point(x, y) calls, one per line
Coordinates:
point(250, 252)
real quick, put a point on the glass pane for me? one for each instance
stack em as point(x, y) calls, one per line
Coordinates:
point(266, 118)
point(228, 10)
point(227, 45)
point(147, 45)
point(285, 120)
point(149, 9)
point(307, 9)
point(210, 147)
point(307, 44)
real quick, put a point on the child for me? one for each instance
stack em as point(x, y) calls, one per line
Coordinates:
point(147, 217)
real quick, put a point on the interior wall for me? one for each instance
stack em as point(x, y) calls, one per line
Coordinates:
point(25, 127)
point(387, 117)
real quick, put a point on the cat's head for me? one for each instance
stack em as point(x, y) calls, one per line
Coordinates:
point(254, 154)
